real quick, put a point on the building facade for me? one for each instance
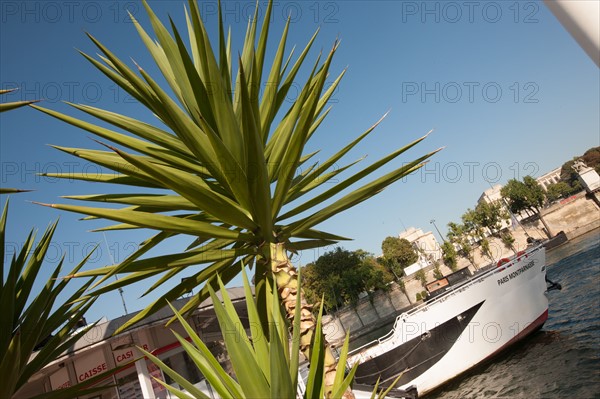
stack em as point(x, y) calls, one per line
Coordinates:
point(427, 248)
point(551, 177)
point(98, 351)
point(491, 195)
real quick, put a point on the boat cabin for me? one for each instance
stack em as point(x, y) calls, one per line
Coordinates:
point(438, 287)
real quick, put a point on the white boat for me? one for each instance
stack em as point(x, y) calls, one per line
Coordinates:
point(462, 327)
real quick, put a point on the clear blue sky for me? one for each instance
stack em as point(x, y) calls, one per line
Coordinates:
point(507, 90)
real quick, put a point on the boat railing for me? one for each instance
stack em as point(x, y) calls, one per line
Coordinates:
point(475, 279)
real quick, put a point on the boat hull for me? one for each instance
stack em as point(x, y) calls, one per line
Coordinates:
point(460, 329)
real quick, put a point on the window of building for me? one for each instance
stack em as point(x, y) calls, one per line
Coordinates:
point(128, 384)
point(178, 360)
point(184, 366)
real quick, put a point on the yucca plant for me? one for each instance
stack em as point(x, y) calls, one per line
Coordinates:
point(36, 328)
point(266, 365)
point(228, 156)
point(33, 332)
point(7, 107)
point(13, 104)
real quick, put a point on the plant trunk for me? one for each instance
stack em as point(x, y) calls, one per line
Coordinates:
point(286, 277)
point(546, 227)
point(470, 259)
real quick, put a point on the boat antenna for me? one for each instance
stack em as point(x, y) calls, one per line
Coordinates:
point(116, 278)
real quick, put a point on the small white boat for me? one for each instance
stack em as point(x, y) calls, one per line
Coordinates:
point(463, 326)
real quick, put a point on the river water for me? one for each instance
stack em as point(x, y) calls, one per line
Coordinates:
point(563, 359)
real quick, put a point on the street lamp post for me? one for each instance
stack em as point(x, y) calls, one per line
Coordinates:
point(432, 221)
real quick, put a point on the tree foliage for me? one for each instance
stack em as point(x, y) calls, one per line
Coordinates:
point(508, 240)
point(422, 277)
point(341, 275)
point(473, 229)
point(569, 176)
point(398, 253)
point(484, 245)
point(437, 272)
point(523, 195)
point(491, 215)
point(471, 223)
point(591, 158)
point(556, 191)
point(526, 195)
point(449, 255)
point(458, 235)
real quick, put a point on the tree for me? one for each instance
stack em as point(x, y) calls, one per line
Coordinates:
point(556, 191)
point(569, 176)
point(484, 244)
point(508, 240)
point(458, 235)
point(526, 195)
point(471, 225)
point(378, 278)
point(437, 273)
point(473, 229)
point(224, 156)
point(485, 216)
point(398, 253)
point(341, 275)
point(491, 215)
point(422, 277)
point(467, 250)
point(449, 255)
point(591, 158)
